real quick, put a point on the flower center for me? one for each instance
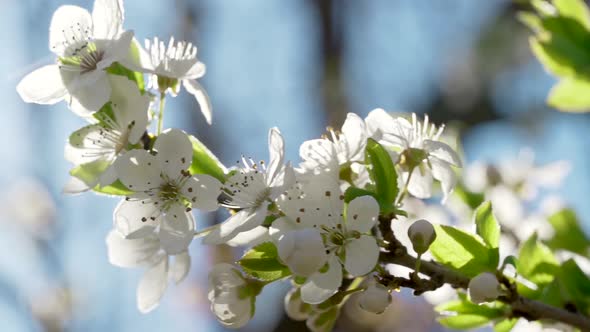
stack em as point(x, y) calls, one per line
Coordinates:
point(169, 191)
point(83, 59)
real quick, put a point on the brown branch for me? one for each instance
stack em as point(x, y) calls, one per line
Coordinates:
point(521, 306)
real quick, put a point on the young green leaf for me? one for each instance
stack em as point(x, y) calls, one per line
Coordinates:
point(571, 94)
point(383, 173)
point(568, 233)
point(574, 9)
point(262, 262)
point(464, 321)
point(117, 189)
point(205, 162)
point(536, 263)
point(486, 225)
point(462, 251)
point(505, 325)
point(354, 192)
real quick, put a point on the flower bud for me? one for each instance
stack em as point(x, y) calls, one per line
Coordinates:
point(302, 251)
point(484, 288)
point(232, 299)
point(295, 308)
point(422, 234)
point(375, 298)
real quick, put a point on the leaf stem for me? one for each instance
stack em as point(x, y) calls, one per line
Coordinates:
point(161, 112)
point(406, 185)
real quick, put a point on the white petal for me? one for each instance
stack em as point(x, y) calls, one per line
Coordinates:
point(320, 286)
point(135, 218)
point(89, 144)
point(75, 186)
point(43, 86)
point(318, 153)
point(361, 255)
point(421, 182)
point(152, 286)
point(124, 252)
point(242, 221)
point(377, 122)
point(233, 315)
point(130, 107)
point(250, 238)
point(177, 230)
point(89, 97)
point(196, 71)
point(443, 151)
point(181, 267)
point(283, 181)
point(108, 176)
point(443, 172)
point(175, 152)
point(362, 214)
point(202, 191)
point(353, 131)
point(276, 148)
point(280, 226)
point(107, 16)
point(138, 170)
point(114, 50)
point(303, 251)
point(194, 88)
point(68, 22)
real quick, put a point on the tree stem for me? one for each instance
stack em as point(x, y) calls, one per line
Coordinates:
point(521, 306)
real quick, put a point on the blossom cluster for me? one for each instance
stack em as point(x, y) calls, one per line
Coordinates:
point(320, 222)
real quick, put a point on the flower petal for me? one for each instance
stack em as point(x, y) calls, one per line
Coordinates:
point(202, 191)
point(107, 16)
point(442, 171)
point(130, 107)
point(152, 286)
point(377, 123)
point(181, 267)
point(135, 218)
point(362, 214)
point(138, 170)
point(320, 286)
point(242, 221)
point(175, 152)
point(361, 255)
point(318, 153)
point(196, 71)
point(124, 252)
point(443, 152)
point(250, 238)
point(177, 230)
point(42, 86)
point(234, 315)
point(75, 186)
point(89, 144)
point(276, 148)
point(88, 97)
point(114, 50)
point(194, 88)
point(421, 182)
point(68, 23)
point(353, 131)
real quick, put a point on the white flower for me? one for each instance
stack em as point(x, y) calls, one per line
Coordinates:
point(147, 252)
point(294, 307)
point(422, 234)
point(302, 251)
point(337, 150)
point(421, 153)
point(251, 189)
point(319, 205)
point(484, 288)
point(102, 142)
point(232, 302)
point(376, 298)
point(86, 45)
point(163, 188)
point(172, 65)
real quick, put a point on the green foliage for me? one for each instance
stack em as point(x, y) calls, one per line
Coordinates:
point(383, 174)
point(324, 320)
point(205, 162)
point(467, 315)
point(262, 262)
point(505, 325)
point(569, 289)
point(537, 264)
point(486, 225)
point(462, 251)
point(472, 199)
point(89, 173)
point(562, 44)
point(568, 233)
point(137, 77)
point(117, 189)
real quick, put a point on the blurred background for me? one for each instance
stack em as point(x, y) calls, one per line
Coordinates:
point(299, 65)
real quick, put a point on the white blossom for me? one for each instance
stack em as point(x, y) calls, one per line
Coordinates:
point(102, 142)
point(147, 251)
point(231, 301)
point(295, 308)
point(251, 189)
point(86, 45)
point(164, 191)
point(375, 299)
point(484, 288)
point(418, 151)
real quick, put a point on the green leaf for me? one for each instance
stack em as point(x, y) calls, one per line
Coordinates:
point(383, 173)
point(262, 262)
point(464, 322)
point(570, 94)
point(568, 233)
point(117, 188)
point(120, 70)
point(354, 192)
point(205, 162)
point(90, 172)
point(505, 325)
point(470, 314)
point(486, 225)
point(536, 263)
point(574, 9)
point(472, 199)
point(462, 251)
point(530, 20)
point(323, 321)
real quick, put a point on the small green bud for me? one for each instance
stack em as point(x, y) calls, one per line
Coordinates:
point(422, 234)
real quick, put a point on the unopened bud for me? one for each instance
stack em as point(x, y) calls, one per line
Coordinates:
point(484, 288)
point(375, 299)
point(295, 308)
point(422, 234)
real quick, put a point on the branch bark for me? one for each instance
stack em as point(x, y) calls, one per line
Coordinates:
point(521, 306)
